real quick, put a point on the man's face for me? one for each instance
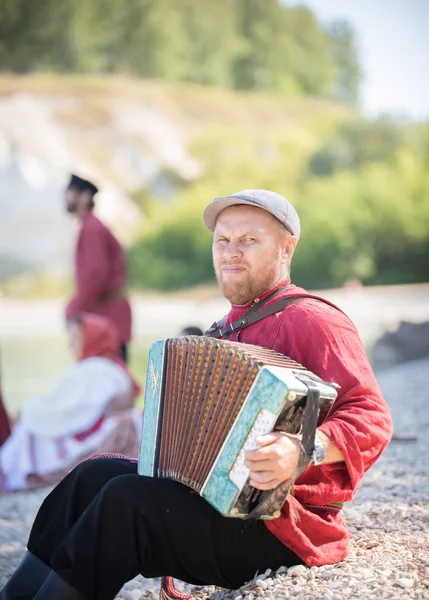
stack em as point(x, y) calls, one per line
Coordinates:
point(71, 197)
point(251, 252)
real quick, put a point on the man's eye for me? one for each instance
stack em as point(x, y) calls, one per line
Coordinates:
point(222, 241)
point(249, 239)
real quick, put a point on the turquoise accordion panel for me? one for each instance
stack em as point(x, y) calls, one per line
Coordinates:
point(271, 390)
point(268, 392)
point(152, 404)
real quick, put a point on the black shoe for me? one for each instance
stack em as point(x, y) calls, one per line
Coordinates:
point(56, 588)
point(28, 578)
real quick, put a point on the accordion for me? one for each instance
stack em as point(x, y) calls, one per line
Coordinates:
point(207, 400)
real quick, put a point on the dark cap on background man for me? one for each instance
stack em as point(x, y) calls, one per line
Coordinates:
point(272, 202)
point(82, 185)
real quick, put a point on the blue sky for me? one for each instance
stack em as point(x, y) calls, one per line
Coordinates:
point(393, 44)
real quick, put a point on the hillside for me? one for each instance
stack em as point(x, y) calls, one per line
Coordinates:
point(126, 134)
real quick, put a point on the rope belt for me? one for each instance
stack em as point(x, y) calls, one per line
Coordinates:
point(108, 296)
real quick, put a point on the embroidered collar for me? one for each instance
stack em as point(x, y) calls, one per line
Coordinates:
point(262, 296)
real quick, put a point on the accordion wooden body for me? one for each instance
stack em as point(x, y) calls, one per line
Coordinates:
point(207, 400)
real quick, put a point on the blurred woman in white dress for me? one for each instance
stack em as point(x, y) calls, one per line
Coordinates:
point(90, 410)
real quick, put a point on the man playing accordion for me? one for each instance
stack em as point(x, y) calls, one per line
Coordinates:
point(104, 524)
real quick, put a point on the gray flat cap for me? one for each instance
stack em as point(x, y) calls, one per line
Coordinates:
point(272, 202)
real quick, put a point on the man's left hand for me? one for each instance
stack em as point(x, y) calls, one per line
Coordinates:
point(274, 461)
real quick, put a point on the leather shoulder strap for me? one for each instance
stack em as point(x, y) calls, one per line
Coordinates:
point(219, 330)
point(248, 319)
point(256, 307)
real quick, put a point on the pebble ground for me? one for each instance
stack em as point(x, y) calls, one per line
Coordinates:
point(388, 520)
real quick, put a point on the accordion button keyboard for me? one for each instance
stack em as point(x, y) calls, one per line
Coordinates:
point(263, 424)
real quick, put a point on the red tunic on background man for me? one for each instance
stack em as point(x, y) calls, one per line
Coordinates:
point(100, 276)
point(325, 341)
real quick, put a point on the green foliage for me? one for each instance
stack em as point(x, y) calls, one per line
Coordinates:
point(29, 31)
point(175, 255)
point(335, 154)
point(211, 49)
point(346, 65)
point(175, 250)
point(360, 186)
point(369, 221)
point(372, 224)
point(240, 44)
point(356, 143)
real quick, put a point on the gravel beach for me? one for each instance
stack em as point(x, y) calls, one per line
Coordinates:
point(388, 519)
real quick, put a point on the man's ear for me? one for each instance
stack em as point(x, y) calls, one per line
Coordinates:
point(85, 198)
point(289, 246)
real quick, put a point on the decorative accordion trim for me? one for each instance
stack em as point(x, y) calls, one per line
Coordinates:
point(112, 455)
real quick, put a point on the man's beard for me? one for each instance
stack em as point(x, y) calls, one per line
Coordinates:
point(71, 209)
point(242, 292)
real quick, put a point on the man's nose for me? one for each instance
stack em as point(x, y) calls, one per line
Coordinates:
point(233, 250)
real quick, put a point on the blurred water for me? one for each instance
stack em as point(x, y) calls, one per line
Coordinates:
point(34, 346)
point(31, 366)
point(34, 350)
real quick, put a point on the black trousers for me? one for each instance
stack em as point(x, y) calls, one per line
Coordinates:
point(104, 524)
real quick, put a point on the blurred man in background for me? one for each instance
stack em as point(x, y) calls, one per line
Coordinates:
point(100, 265)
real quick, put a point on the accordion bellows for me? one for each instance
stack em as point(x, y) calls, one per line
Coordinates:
point(206, 401)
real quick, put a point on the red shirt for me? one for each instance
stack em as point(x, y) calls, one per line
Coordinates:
point(326, 342)
point(100, 270)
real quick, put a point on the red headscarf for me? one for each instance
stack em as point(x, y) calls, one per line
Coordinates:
point(100, 338)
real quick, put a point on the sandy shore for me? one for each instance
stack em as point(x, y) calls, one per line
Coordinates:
point(371, 308)
point(388, 519)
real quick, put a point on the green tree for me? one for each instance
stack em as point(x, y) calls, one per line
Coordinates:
point(152, 42)
point(369, 222)
point(306, 48)
point(243, 44)
point(347, 72)
point(175, 254)
point(31, 34)
point(285, 49)
point(260, 25)
point(212, 41)
point(356, 143)
point(372, 224)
